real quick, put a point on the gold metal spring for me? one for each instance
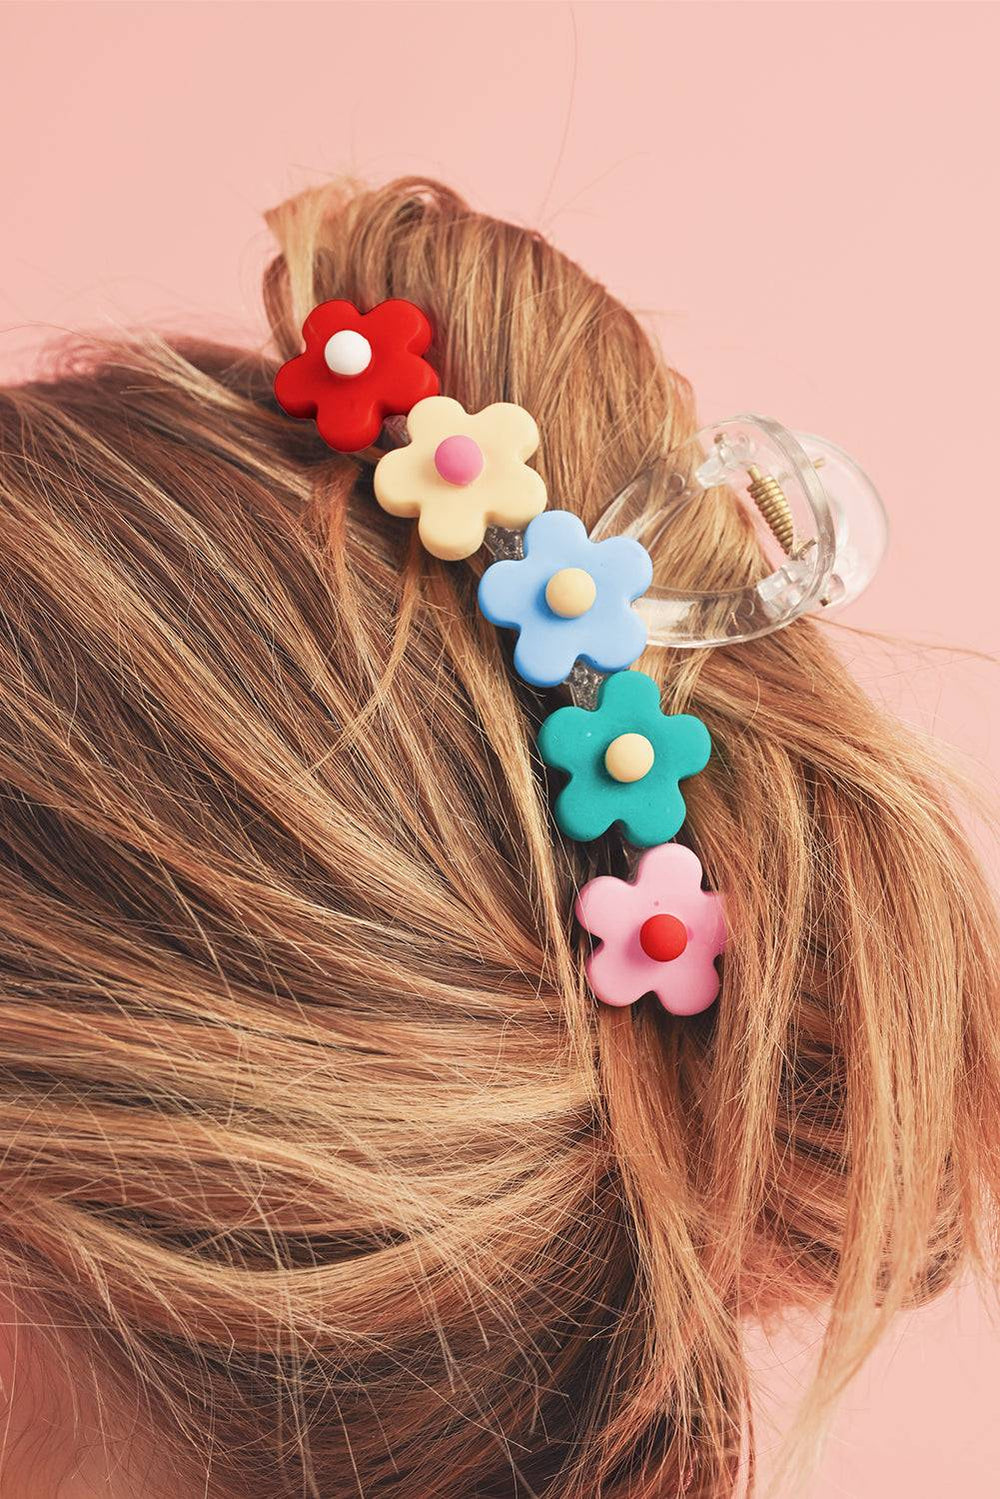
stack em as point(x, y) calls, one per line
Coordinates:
point(769, 497)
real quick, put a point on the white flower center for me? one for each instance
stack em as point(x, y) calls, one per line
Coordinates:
point(348, 353)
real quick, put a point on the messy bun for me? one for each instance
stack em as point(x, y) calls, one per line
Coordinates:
point(311, 1135)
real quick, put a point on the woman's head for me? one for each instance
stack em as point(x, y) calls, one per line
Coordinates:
point(319, 1165)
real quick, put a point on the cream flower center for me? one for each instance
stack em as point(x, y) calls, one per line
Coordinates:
point(570, 592)
point(629, 757)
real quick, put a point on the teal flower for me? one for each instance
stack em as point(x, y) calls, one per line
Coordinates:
point(624, 759)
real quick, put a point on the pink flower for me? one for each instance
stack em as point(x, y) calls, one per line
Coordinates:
point(659, 933)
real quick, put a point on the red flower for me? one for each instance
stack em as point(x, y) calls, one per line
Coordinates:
point(357, 369)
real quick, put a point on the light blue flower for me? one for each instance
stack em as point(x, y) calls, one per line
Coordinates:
point(608, 634)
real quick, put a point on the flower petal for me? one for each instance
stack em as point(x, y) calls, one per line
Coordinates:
point(544, 660)
point(650, 815)
point(502, 594)
point(669, 869)
point(395, 485)
point(295, 385)
point(433, 418)
point(615, 649)
point(506, 428)
point(350, 419)
point(399, 324)
point(689, 983)
point(629, 562)
point(580, 814)
point(603, 905)
point(451, 531)
point(629, 695)
point(614, 980)
point(405, 380)
point(328, 318)
point(555, 536)
point(686, 743)
point(561, 734)
point(512, 497)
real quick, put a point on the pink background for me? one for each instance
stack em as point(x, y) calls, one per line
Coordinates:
point(802, 199)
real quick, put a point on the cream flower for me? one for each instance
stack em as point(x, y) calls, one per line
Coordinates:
point(461, 472)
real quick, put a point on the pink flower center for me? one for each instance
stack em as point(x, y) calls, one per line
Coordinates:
point(663, 938)
point(458, 460)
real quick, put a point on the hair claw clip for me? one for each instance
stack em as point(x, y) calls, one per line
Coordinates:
point(820, 518)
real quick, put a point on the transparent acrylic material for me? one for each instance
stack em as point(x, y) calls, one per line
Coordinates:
point(834, 530)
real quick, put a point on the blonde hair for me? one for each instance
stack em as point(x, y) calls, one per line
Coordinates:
point(310, 1130)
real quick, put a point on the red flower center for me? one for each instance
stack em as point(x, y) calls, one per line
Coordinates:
point(663, 938)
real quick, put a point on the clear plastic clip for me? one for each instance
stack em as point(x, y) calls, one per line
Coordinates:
point(822, 526)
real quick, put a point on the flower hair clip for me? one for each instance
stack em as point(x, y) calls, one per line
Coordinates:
point(584, 607)
point(357, 369)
